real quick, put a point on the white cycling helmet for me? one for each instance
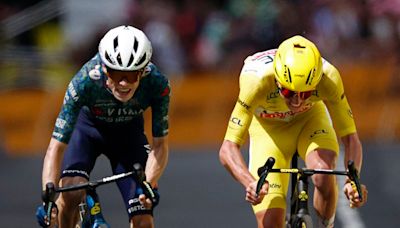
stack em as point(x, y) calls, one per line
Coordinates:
point(125, 48)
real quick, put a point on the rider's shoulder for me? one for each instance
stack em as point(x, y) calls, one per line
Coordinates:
point(259, 64)
point(152, 74)
point(263, 57)
point(92, 70)
point(330, 72)
point(331, 81)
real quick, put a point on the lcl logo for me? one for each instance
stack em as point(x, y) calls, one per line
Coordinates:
point(237, 121)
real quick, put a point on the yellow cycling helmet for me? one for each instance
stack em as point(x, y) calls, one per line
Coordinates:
point(298, 64)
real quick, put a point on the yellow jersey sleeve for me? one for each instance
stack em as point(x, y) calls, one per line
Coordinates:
point(252, 82)
point(332, 92)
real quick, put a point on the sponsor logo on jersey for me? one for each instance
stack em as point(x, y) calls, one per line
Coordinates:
point(147, 70)
point(123, 111)
point(273, 95)
point(72, 92)
point(274, 185)
point(165, 132)
point(319, 132)
point(165, 92)
point(236, 121)
point(95, 73)
point(350, 113)
point(165, 118)
point(66, 98)
point(242, 103)
point(97, 111)
point(281, 115)
point(60, 123)
point(57, 135)
point(264, 55)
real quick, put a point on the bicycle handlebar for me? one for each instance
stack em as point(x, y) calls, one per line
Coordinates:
point(138, 173)
point(352, 173)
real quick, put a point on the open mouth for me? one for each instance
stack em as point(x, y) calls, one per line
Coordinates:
point(295, 105)
point(123, 92)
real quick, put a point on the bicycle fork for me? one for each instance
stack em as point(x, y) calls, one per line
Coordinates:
point(299, 203)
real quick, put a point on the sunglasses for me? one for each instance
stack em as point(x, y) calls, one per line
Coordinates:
point(129, 76)
point(287, 93)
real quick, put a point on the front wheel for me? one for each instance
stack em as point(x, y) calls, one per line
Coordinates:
point(303, 221)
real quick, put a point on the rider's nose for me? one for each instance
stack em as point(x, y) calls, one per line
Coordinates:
point(123, 81)
point(296, 100)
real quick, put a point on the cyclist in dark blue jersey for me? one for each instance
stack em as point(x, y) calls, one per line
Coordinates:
point(102, 113)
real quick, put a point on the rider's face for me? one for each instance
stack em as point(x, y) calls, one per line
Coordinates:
point(295, 103)
point(294, 100)
point(123, 84)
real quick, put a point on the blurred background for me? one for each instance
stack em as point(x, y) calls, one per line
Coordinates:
point(200, 46)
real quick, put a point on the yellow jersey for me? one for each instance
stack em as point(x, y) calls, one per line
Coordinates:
point(259, 98)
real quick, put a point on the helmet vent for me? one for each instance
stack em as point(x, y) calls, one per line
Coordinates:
point(115, 43)
point(308, 81)
point(290, 76)
point(130, 60)
point(298, 46)
point(141, 60)
point(135, 45)
point(108, 57)
point(119, 60)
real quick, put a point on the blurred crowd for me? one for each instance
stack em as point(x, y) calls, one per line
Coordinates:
point(43, 44)
point(216, 35)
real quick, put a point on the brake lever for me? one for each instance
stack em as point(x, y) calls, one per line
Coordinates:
point(353, 175)
point(263, 173)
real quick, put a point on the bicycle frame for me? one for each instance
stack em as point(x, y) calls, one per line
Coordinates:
point(299, 213)
point(90, 209)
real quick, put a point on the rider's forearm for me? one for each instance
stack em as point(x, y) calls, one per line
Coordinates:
point(353, 150)
point(157, 160)
point(52, 162)
point(232, 159)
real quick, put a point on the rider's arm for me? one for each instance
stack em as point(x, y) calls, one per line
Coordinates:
point(342, 116)
point(232, 159)
point(158, 159)
point(239, 122)
point(52, 162)
point(73, 101)
point(353, 150)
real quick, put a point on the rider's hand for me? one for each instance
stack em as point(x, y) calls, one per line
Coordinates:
point(251, 196)
point(146, 202)
point(42, 219)
point(352, 195)
point(48, 198)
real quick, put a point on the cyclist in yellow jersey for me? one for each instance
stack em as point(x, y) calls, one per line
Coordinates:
point(283, 104)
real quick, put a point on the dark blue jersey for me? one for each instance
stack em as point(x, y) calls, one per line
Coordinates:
point(87, 91)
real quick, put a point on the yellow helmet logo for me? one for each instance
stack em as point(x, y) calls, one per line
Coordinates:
point(298, 64)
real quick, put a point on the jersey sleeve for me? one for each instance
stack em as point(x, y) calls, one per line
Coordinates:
point(336, 101)
point(160, 106)
point(250, 83)
point(73, 102)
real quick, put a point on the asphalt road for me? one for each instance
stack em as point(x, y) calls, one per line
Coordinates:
point(196, 191)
